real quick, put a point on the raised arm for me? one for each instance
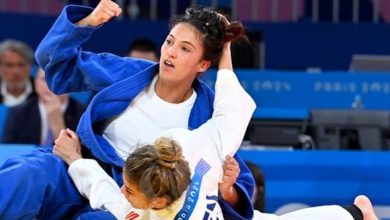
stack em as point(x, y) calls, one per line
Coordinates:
point(67, 67)
point(233, 108)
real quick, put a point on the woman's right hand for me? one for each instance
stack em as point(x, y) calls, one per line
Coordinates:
point(104, 11)
point(67, 146)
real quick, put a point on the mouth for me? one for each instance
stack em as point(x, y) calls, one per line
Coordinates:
point(168, 64)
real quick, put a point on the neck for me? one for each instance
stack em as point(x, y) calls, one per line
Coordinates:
point(16, 92)
point(63, 98)
point(173, 93)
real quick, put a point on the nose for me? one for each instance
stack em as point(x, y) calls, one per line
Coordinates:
point(123, 189)
point(172, 51)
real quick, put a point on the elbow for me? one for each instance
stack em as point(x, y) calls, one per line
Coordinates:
point(41, 56)
point(251, 104)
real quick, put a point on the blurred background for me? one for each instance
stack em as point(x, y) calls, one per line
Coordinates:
point(319, 71)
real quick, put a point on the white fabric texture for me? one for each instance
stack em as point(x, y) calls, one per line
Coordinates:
point(145, 118)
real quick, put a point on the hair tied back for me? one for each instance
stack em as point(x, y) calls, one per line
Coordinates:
point(233, 31)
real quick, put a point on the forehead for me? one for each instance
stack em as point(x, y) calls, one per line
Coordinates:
point(12, 55)
point(128, 183)
point(186, 32)
point(133, 187)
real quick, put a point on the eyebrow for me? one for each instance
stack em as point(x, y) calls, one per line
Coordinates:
point(186, 42)
point(128, 189)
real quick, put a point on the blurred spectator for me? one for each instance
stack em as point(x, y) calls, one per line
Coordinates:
point(144, 49)
point(259, 193)
point(270, 10)
point(345, 11)
point(15, 68)
point(90, 3)
point(39, 120)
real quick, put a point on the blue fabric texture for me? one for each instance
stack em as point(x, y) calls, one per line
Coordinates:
point(40, 185)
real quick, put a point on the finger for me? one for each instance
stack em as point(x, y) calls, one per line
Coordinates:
point(231, 166)
point(231, 173)
point(114, 7)
point(229, 181)
point(108, 14)
point(235, 163)
point(231, 162)
point(229, 159)
point(119, 11)
point(71, 133)
point(62, 133)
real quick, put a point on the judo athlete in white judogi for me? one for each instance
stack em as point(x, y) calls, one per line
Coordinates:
point(204, 149)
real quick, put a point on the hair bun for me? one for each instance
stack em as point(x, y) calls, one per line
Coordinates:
point(233, 31)
point(169, 152)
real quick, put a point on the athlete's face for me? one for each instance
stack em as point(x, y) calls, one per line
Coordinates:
point(182, 55)
point(138, 200)
point(134, 196)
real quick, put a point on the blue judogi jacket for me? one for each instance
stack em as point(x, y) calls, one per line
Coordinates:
point(116, 81)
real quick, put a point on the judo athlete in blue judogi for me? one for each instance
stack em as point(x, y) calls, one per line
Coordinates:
point(135, 100)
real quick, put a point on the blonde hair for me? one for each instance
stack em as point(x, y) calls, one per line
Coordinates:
point(159, 170)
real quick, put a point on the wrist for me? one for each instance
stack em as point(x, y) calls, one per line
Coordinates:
point(227, 192)
point(226, 60)
point(86, 22)
point(72, 159)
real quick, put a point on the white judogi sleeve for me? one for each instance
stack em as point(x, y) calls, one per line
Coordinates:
point(101, 190)
point(233, 108)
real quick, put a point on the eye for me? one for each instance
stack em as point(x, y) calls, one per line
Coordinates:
point(168, 41)
point(185, 49)
point(129, 192)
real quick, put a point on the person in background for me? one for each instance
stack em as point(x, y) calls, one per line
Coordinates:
point(259, 193)
point(16, 84)
point(143, 49)
point(40, 119)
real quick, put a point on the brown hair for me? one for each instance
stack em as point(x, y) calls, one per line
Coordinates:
point(214, 29)
point(159, 170)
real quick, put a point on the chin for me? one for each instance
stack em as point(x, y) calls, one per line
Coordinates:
point(167, 76)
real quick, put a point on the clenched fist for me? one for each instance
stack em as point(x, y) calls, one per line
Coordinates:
point(104, 11)
point(67, 146)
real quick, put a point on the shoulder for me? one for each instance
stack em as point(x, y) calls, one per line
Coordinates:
point(28, 106)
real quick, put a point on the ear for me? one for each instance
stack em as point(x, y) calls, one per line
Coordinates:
point(159, 203)
point(204, 65)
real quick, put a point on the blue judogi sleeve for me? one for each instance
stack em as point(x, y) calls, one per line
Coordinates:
point(68, 68)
